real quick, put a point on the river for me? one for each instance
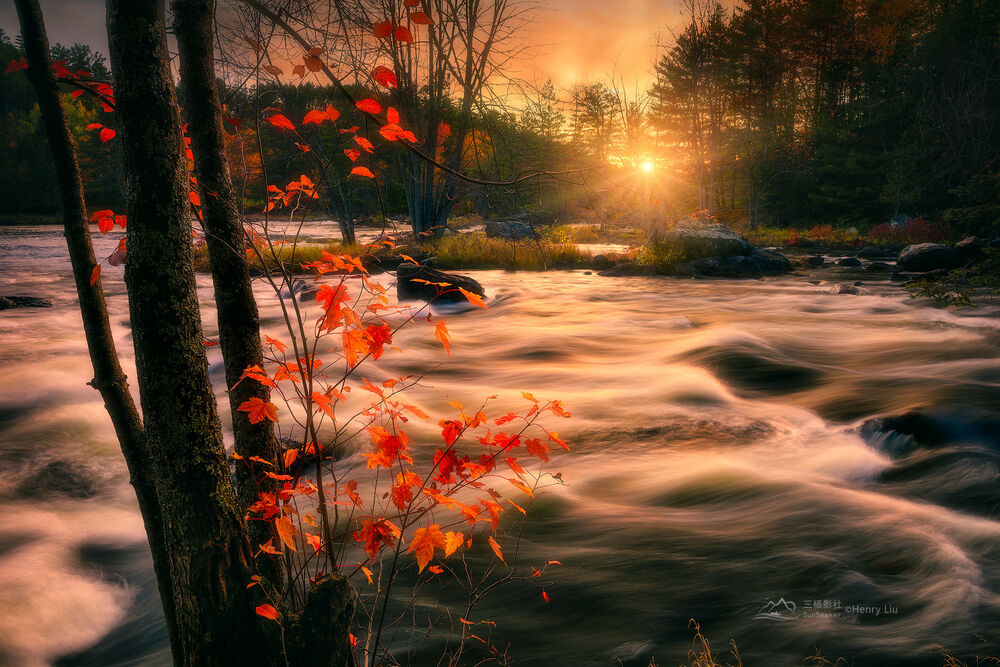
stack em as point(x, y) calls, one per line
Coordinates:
point(717, 469)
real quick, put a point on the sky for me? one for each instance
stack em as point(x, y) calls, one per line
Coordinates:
point(575, 40)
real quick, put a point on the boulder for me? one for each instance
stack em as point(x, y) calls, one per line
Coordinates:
point(628, 269)
point(875, 252)
point(848, 288)
point(815, 260)
point(407, 289)
point(697, 240)
point(11, 302)
point(736, 266)
point(929, 257)
point(848, 261)
point(771, 262)
point(898, 277)
point(878, 266)
point(970, 248)
point(511, 230)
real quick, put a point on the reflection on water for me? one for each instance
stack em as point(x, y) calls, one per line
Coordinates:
point(718, 468)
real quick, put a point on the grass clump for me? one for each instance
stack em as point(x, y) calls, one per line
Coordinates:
point(478, 251)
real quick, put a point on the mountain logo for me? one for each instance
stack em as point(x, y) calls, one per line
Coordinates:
point(777, 610)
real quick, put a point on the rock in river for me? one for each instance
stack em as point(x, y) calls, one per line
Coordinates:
point(10, 302)
point(929, 257)
point(697, 239)
point(408, 289)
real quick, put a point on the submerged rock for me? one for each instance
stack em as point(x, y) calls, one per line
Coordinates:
point(815, 260)
point(848, 288)
point(929, 257)
point(59, 478)
point(878, 266)
point(11, 302)
point(628, 269)
point(408, 289)
point(875, 252)
point(849, 261)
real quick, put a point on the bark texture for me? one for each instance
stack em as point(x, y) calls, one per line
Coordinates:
point(209, 555)
point(239, 326)
point(109, 379)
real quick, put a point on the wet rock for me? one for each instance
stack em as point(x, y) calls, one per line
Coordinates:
point(815, 260)
point(697, 239)
point(849, 261)
point(628, 269)
point(848, 288)
point(929, 257)
point(407, 289)
point(59, 478)
point(878, 266)
point(771, 262)
point(898, 277)
point(875, 252)
point(11, 302)
point(970, 248)
point(511, 230)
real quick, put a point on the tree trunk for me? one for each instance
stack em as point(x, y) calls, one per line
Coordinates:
point(208, 551)
point(108, 376)
point(239, 325)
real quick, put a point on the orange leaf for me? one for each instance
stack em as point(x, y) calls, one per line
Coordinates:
point(315, 51)
point(352, 153)
point(195, 199)
point(362, 171)
point(424, 541)
point(441, 333)
point(435, 569)
point(299, 71)
point(496, 549)
point(331, 113)
point(286, 531)
point(392, 116)
point(290, 456)
point(280, 121)
point(452, 541)
point(267, 611)
point(545, 596)
point(364, 143)
point(421, 18)
point(271, 69)
point(107, 134)
point(382, 30)
point(474, 299)
point(403, 35)
point(95, 274)
point(314, 116)
point(385, 77)
point(369, 105)
point(257, 410)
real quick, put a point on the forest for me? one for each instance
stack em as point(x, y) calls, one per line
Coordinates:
point(356, 332)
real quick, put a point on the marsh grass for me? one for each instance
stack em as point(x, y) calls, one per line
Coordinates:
point(478, 251)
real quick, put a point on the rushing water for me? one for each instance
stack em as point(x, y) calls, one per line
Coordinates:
point(717, 466)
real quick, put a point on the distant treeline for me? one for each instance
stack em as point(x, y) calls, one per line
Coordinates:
point(784, 112)
point(850, 111)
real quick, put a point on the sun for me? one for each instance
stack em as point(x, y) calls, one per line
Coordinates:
point(646, 166)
